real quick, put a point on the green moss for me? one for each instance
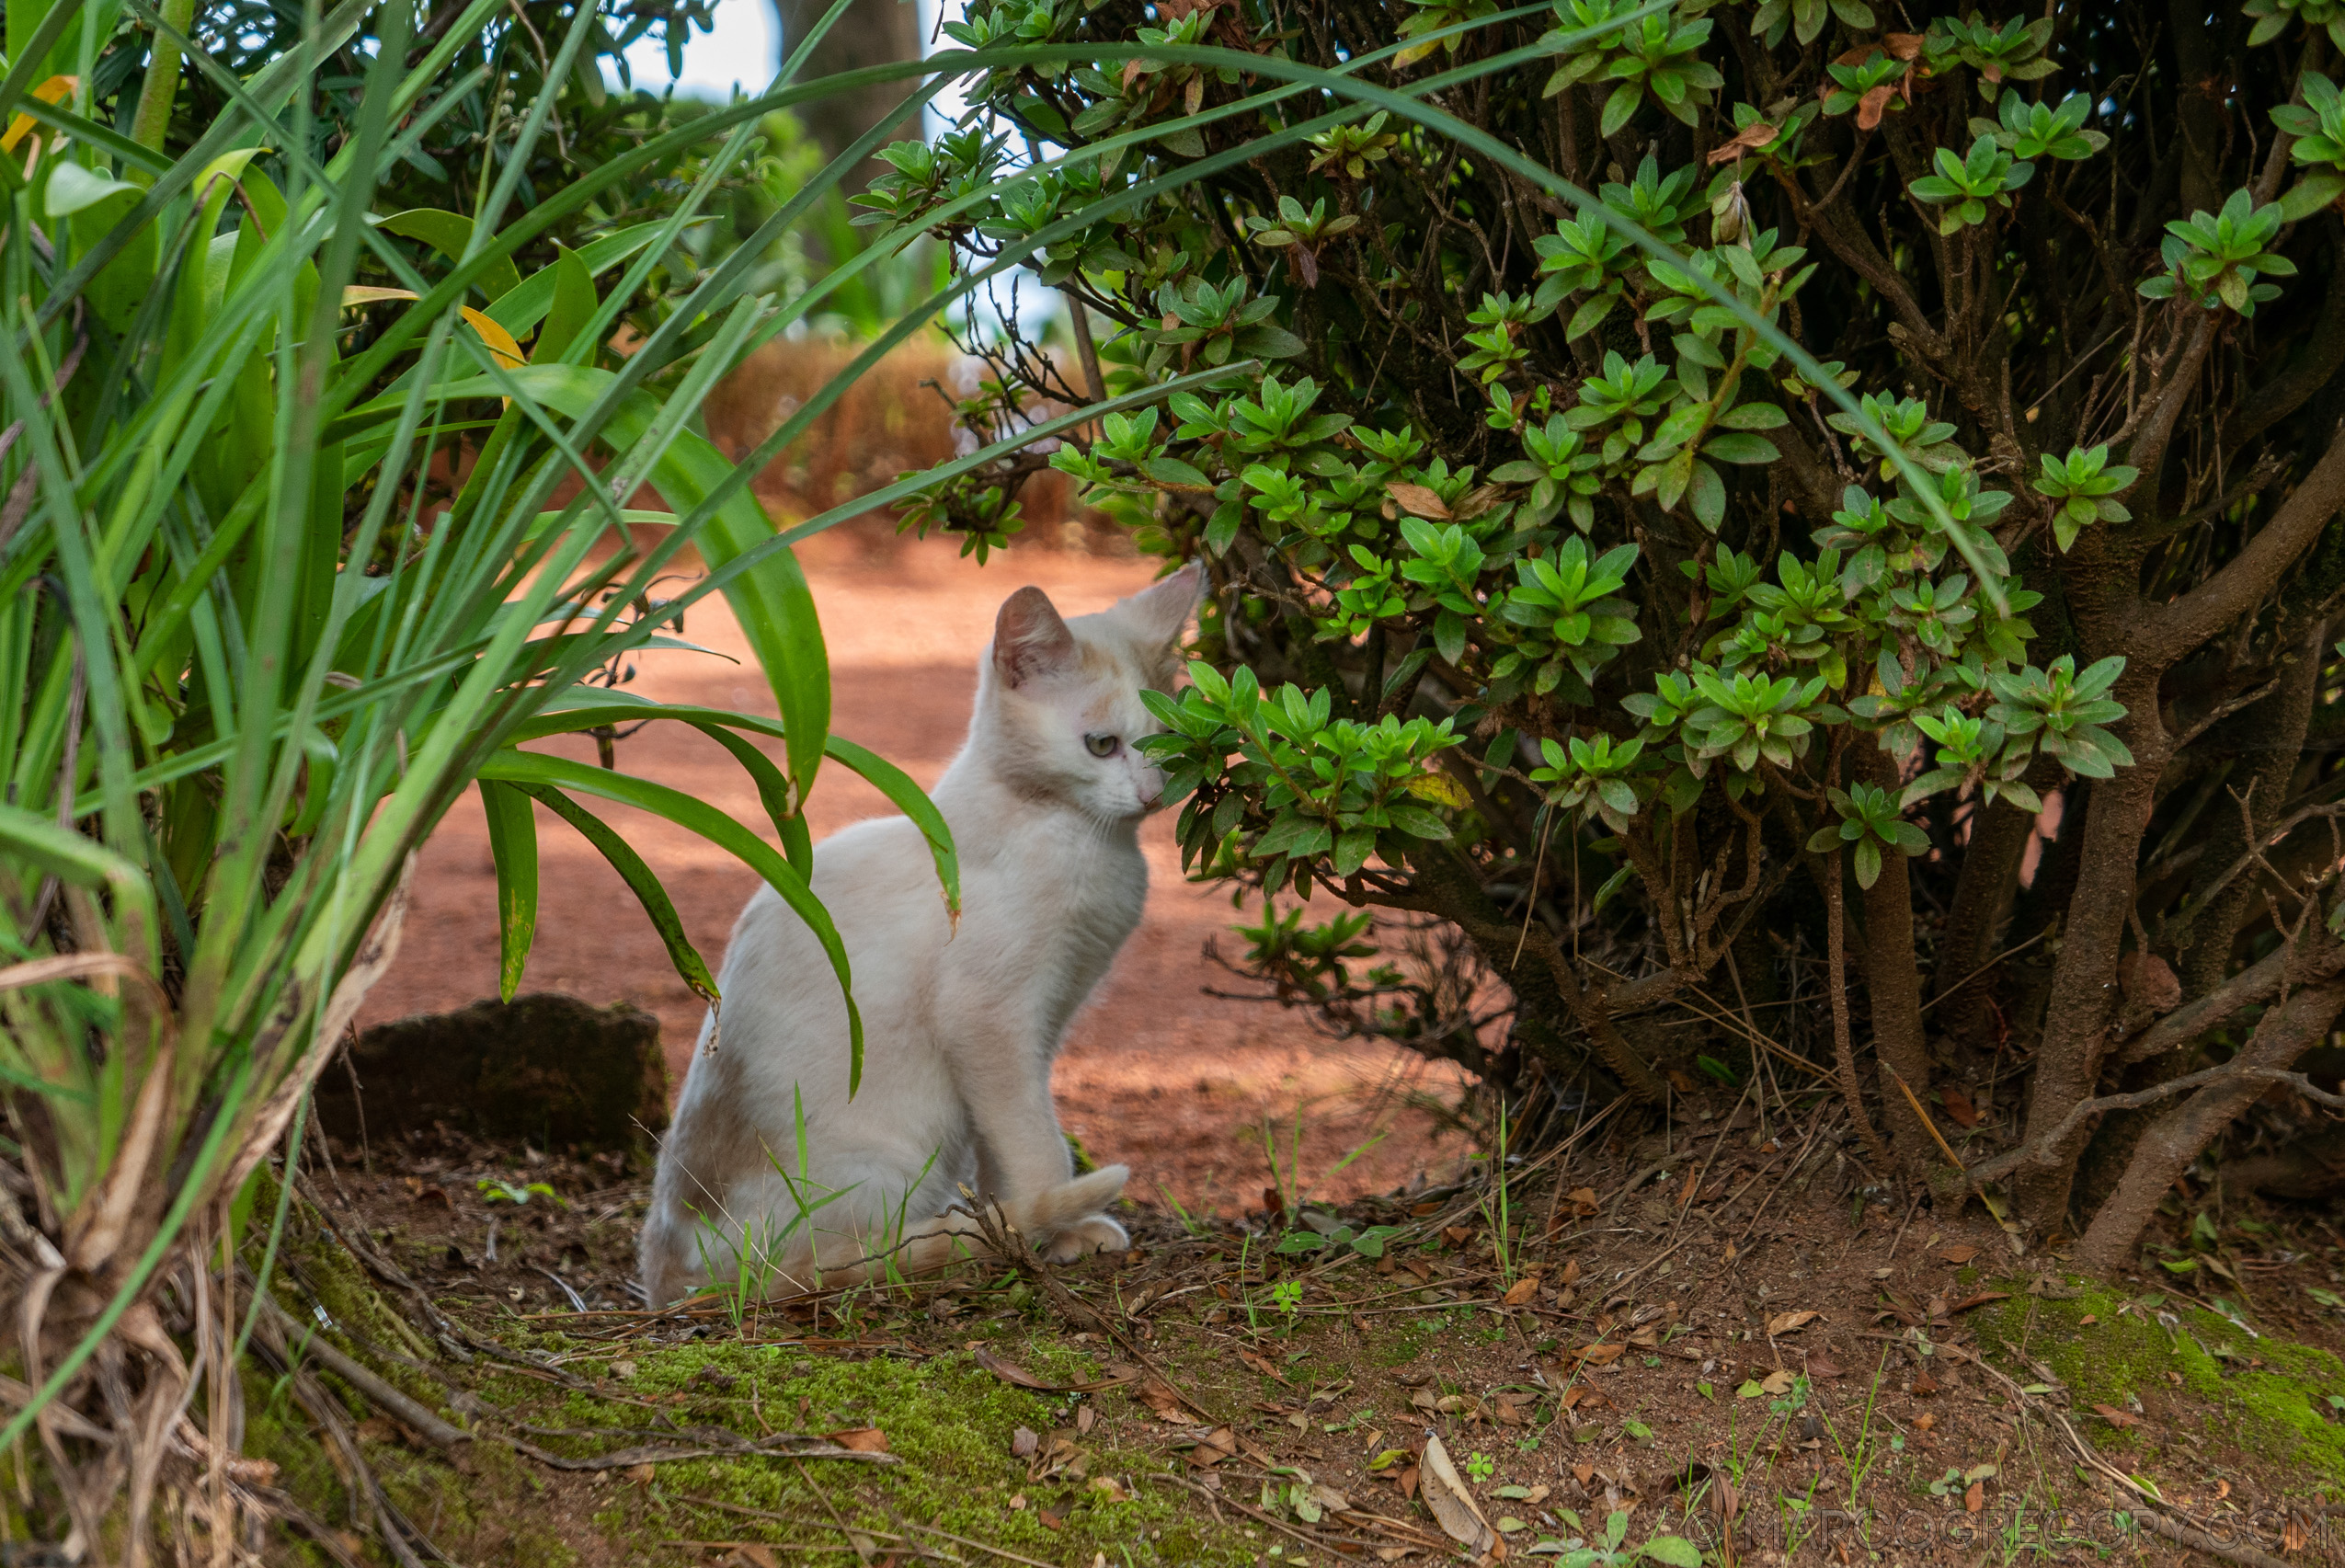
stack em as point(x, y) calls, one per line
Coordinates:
point(951, 1425)
point(2197, 1368)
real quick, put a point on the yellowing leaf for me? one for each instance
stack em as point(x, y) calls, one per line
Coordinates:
point(1438, 787)
point(502, 346)
point(53, 91)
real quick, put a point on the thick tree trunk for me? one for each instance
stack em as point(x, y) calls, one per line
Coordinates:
point(2084, 987)
point(1982, 894)
point(2178, 1137)
point(873, 32)
point(1894, 986)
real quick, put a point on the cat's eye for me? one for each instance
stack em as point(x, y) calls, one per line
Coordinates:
point(1101, 745)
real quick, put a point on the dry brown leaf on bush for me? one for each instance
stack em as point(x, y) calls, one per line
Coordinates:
point(1873, 105)
point(861, 1439)
point(1418, 501)
point(1453, 1507)
point(2149, 981)
point(1749, 139)
point(1788, 1322)
point(1903, 46)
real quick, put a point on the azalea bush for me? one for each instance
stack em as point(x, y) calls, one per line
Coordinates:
point(1806, 547)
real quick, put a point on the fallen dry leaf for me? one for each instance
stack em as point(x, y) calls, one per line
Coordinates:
point(1453, 1507)
point(1110, 1488)
point(1009, 1372)
point(1213, 1446)
point(861, 1439)
point(1924, 1384)
point(1788, 1322)
point(1163, 1398)
point(1779, 1381)
point(2115, 1417)
point(1262, 1364)
point(1051, 1521)
point(640, 1475)
point(1085, 1419)
point(1572, 1265)
point(1418, 501)
point(1749, 139)
point(1521, 1291)
point(1981, 1299)
point(1924, 1421)
point(1959, 1255)
point(1595, 1355)
point(1958, 1104)
point(1023, 1442)
point(755, 1553)
point(1976, 1498)
point(1327, 1497)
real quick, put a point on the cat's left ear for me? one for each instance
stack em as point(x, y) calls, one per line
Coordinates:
point(1159, 614)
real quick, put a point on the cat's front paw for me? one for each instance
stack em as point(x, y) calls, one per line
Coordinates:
point(1094, 1233)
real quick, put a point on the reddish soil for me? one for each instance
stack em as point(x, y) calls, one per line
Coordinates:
point(1157, 1074)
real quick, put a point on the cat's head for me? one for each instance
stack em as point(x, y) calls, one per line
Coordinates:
point(1059, 700)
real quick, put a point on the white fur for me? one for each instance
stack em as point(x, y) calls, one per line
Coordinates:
point(961, 1026)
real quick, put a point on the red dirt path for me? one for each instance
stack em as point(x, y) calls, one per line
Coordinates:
point(1156, 1074)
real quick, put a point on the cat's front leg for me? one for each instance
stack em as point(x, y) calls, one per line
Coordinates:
point(1021, 1152)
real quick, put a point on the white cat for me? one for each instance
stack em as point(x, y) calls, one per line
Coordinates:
point(961, 1026)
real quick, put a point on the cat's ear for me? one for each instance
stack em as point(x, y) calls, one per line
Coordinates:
point(1029, 639)
point(1158, 614)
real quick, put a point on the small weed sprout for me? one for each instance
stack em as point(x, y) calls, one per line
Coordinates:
point(493, 1189)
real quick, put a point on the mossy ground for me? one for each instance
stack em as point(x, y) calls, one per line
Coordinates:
point(949, 1423)
point(1315, 1367)
point(2195, 1375)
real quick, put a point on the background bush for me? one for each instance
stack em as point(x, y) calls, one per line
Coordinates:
point(1703, 479)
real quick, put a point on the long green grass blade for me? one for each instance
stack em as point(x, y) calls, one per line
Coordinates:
point(513, 847)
